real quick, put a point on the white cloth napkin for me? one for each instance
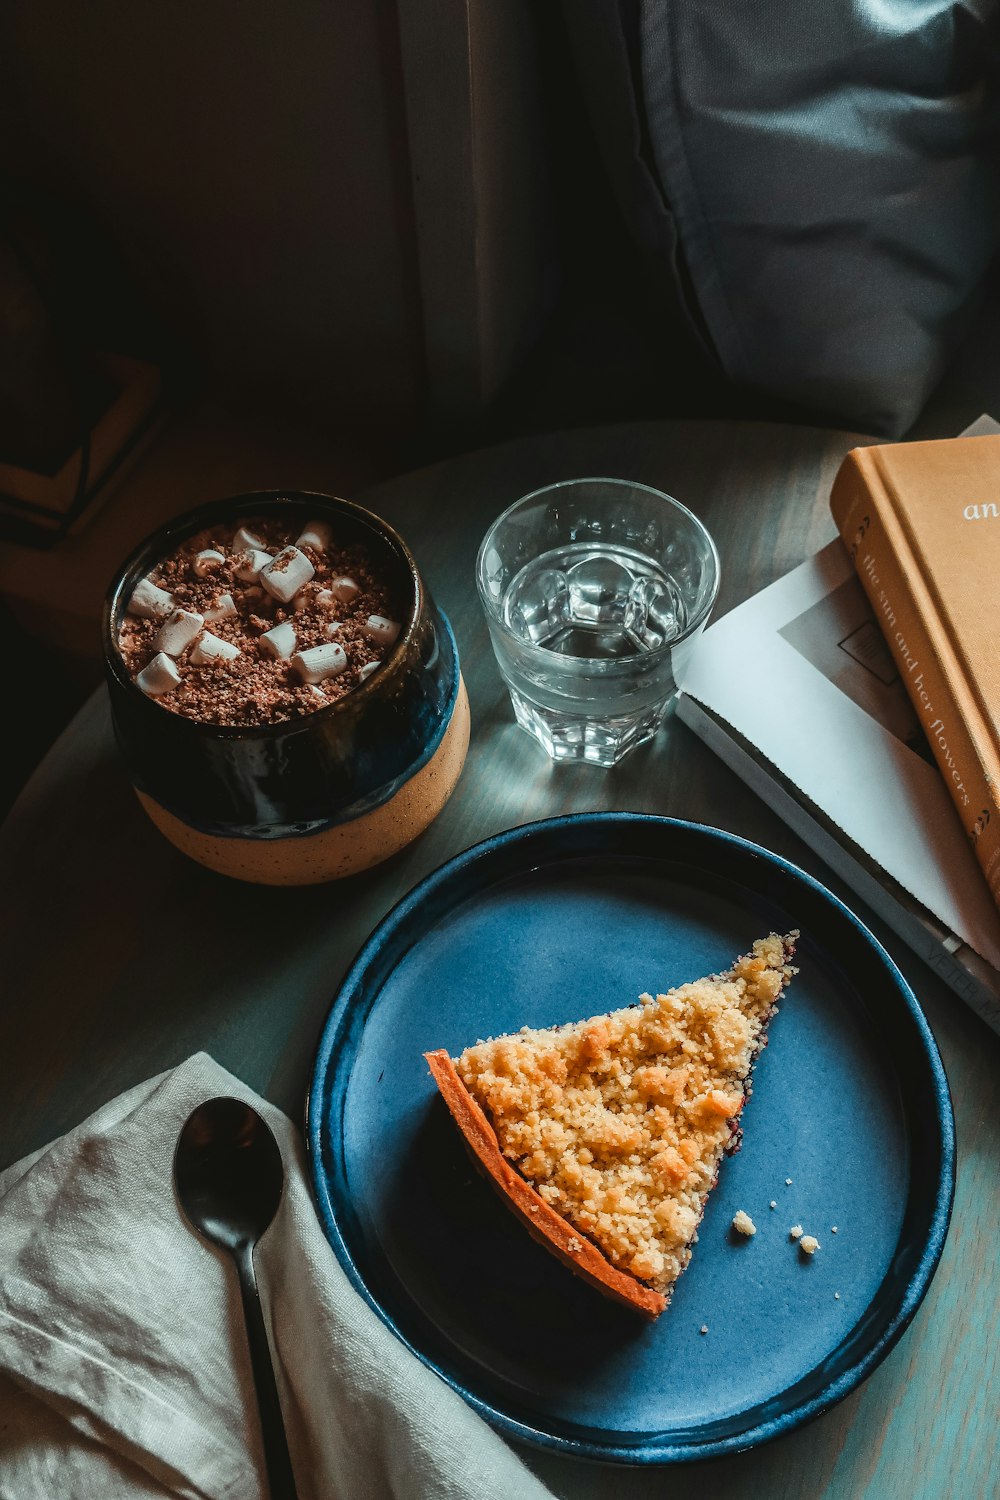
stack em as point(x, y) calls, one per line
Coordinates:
point(123, 1363)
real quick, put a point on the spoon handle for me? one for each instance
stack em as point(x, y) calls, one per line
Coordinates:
point(280, 1479)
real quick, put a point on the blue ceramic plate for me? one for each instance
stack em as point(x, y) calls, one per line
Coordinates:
point(569, 918)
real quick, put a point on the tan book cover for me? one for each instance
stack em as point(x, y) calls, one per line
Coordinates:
point(922, 524)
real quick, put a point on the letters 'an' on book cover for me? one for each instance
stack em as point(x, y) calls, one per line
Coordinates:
point(922, 524)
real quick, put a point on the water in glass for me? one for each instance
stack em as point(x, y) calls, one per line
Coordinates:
point(581, 660)
point(590, 601)
point(595, 591)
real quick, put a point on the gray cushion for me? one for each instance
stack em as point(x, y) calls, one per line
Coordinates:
point(830, 170)
point(828, 165)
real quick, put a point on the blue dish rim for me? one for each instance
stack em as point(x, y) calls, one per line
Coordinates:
point(648, 1452)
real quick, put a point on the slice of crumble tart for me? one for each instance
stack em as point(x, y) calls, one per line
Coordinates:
point(605, 1137)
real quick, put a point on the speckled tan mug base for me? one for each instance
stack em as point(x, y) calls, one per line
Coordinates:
point(344, 849)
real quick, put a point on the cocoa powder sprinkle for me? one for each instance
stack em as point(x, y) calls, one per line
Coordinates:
point(255, 688)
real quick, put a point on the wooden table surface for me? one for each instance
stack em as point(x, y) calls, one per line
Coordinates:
point(120, 958)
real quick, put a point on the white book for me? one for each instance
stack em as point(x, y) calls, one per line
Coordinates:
point(797, 692)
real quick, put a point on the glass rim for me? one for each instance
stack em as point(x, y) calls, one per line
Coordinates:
point(607, 664)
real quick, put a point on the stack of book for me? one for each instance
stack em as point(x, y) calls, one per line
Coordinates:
point(38, 508)
point(886, 646)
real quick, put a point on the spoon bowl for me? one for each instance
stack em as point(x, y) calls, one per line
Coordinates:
point(228, 1172)
point(229, 1176)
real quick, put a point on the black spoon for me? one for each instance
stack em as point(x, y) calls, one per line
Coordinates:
point(228, 1175)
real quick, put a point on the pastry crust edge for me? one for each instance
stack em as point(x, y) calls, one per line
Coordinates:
point(539, 1218)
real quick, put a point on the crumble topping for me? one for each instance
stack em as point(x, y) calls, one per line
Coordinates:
point(620, 1121)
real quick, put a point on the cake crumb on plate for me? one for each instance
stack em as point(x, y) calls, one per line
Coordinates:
point(743, 1223)
point(809, 1243)
point(796, 1232)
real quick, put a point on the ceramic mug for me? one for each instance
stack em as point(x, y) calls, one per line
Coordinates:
point(314, 798)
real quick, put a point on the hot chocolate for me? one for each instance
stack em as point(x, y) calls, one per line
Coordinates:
point(285, 692)
point(246, 624)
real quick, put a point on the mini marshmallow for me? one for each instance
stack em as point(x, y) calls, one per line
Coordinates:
point(212, 648)
point(333, 627)
point(249, 563)
point(319, 662)
point(344, 589)
point(222, 609)
point(245, 541)
point(158, 676)
point(178, 631)
point(302, 601)
point(149, 601)
point(205, 562)
point(378, 628)
point(366, 671)
point(285, 574)
point(279, 641)
point(314, 534)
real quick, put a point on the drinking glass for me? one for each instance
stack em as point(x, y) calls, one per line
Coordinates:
point(595, 590)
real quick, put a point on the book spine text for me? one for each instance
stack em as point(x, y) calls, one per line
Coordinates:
point(917, 649)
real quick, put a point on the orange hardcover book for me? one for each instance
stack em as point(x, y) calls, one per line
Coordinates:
point(922, 524)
